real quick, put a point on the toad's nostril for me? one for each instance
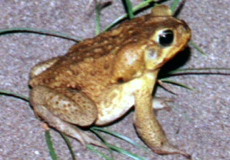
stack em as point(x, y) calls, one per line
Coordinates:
point(120, 80)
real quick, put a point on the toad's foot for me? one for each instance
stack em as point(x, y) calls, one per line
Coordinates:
point(159, 103)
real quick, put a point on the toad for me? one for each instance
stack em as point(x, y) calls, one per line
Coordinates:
point(101, 78)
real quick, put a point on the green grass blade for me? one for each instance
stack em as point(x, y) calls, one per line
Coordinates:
point(130, 154)
point(176, 83)
point(174, 4)
point(40, 31)
point(68, 145)
point(13, 94)
point(90, 147)
point(187, 117)
point(184, 71)
point(136, 8)
point(197, 48)
point(102, 138)
point(97, 18)
point(121, 137)
point(128, 6)
point(50, 146)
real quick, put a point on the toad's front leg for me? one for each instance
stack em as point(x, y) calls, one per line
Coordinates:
point(147, 126)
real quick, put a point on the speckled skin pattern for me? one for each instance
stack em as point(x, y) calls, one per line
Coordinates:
point(101, 78)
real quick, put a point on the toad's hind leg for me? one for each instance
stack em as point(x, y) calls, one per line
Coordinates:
point(85, 137)
point(61, 107)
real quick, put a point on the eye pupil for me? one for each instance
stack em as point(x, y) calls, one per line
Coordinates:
point(166, 38)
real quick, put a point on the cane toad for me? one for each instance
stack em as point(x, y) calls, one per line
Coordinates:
point(101, 78)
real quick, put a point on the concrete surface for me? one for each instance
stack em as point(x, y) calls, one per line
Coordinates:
point(205, 133)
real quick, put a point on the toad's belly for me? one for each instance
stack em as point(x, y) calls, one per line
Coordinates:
point(114, 106)
point(114, 103)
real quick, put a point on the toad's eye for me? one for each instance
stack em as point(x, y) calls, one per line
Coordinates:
point(165, 38)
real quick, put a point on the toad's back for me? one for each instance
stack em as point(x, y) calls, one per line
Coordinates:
point(93, 58)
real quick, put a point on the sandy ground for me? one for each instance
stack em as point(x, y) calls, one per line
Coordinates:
point(199, 121)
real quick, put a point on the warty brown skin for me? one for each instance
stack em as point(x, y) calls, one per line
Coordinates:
point(101, 78)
